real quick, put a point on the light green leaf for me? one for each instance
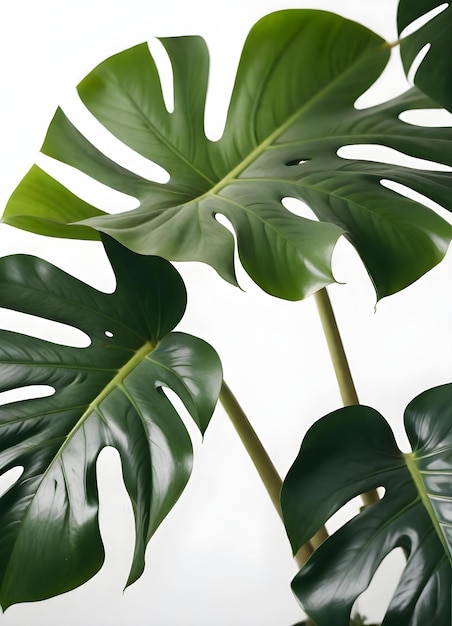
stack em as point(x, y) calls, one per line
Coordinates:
point(352, 451)
point(108, 394)
point(434, 75)
point(291, 110)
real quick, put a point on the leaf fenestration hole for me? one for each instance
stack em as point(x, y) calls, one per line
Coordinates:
point(222, 73)
point(423, 20)
point(298, 207)
point(343, 515)
point(165, 71)
point(224, 221)
point(108, 144)
point(189, 423)
point(242, 277)
point(374, 601)
point(434, 118)
point(409, 193)
point(28, 392)
point(391, 83)
point(108, 333)
point(86, 188)
point(417, 62)
point(49, 330)
point(383, 154)
point(296, 162)
point(115, 508)
point(9, 478)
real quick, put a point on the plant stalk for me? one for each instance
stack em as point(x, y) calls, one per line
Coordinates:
point(340, 363)
point(336, 348)
point(262, 462)
point(253, 446)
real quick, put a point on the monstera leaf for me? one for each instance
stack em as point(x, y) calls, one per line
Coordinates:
point(434, 75)
point(108, 394)
point(353, 450)
point(291, 110)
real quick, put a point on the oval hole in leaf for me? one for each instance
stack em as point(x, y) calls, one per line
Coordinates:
point(108, 333)
point(422, 20)
point(165, 71)
point(42, 328)
point(29, 392)
point(383, 154)
point(381, 492)
point(297, 162)
point(434, 118)
point(110, 145)
point(297, 207)
point(349, 510)
point(373, 602)
point(88, 189)
point(9, 478)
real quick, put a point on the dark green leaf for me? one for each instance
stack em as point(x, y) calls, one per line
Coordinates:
point(352, 451)
point(291, 110)
point(108, 394)
point(434, 75)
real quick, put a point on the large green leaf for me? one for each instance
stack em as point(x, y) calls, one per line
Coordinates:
point(291, 110)
point(108, 394)
point(434, 75)
point(347, 453)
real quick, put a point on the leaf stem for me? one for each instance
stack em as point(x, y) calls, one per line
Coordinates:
point(253, 445)
point(340, 363)
point(336, 348)
point(262, 462)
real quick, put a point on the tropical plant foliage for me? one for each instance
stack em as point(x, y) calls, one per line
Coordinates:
point(107, 394)
point(286, 122)
point(434, 74)
point(414, 514)
point(292, 114)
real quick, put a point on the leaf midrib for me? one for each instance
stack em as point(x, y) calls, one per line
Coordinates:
point(260, 148)
point(411, 463)
point(266, 143)
point(116, 381)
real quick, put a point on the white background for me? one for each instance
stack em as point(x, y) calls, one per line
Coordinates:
point(221, 557)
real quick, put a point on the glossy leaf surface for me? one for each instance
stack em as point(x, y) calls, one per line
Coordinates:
point(291, 110)
point(434, 75)
point(352, 451)
point(107, 394)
